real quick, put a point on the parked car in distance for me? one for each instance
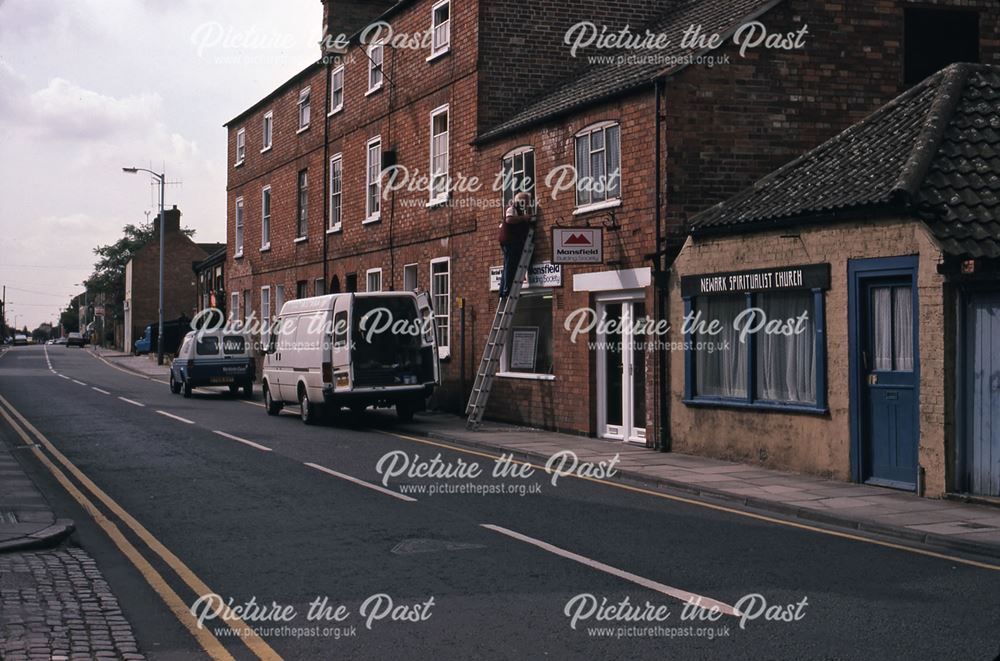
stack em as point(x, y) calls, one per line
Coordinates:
point(59, 340)
point(75, 340)
point(322, 356)
point(20, 340)
point(213, 358)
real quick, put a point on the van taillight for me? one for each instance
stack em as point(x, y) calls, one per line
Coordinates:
point(327, 373)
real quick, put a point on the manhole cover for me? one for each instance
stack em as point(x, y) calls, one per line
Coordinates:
point(431, 546)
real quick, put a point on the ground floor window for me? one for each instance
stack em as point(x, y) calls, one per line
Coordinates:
point(528, 349)
point(763, 349)
point(441, 302)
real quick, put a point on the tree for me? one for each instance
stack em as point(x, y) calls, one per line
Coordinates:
point(109, 271)
point(69, 319)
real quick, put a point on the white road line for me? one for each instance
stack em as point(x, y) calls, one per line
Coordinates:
point(362, 483)
point(682, 595)
point(242, 440)
point(175, 417)
point(103, 392)
point(63, 376)
point(80, 382)
point(132, 402)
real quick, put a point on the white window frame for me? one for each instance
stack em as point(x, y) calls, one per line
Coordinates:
point(340, 106)
point(319, 284)
point(372, 215)
point(267, 131)
point(368, 274)
point(234, 306)
point(338, 160)
point(265, 218)
point(279, 299)
point(415, 269)
point(265, 309)
point(439, 49)
point(511, 155)
point(240, 223)
point(441, 197)
point(373, 68)
point(304, 104)
point(301, 208)
point(241, 147)
point(504, 370)
point(444, 350)
point(608, 202)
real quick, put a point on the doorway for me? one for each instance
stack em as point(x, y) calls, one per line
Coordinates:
point(621, 369)
point(885, 367)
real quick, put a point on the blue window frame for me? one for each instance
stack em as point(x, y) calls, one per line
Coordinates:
point(762, 370)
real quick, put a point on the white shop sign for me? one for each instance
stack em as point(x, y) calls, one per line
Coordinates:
point(542, 274)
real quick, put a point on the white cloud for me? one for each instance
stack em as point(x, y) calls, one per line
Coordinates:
point(66, 110)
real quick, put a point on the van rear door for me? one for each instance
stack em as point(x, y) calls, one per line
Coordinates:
point(340, 350)
point(429, 331)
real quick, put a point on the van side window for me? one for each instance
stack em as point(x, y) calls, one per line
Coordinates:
point(208, 346)
point(340, 329)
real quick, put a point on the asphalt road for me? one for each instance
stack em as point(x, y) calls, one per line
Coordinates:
point(253, 522)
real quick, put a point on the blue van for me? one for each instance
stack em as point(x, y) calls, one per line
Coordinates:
point(213, 358)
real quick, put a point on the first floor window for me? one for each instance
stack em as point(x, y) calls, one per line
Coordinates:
point(336, 182)
point(375, 52)
point(337, 89)
point(778, 363)
point(303, 204)
point(529, 344)
point(598, 165)
point(410, 277)
point(441, 301)
point(440, 27)
point(439, 155)
point(373, 279)
point(374, 179)
point(239, 227)
point(304, 109)
point(265, 218)
point(518, 174)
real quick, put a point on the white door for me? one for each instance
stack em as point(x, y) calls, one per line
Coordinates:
point(621, 370)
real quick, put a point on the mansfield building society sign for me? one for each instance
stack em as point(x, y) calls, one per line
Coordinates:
point(577, 245)
point(542, 274)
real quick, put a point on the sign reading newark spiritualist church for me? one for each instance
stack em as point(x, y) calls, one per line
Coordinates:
point(811, 276)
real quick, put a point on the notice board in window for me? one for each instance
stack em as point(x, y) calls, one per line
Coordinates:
point(523, 348)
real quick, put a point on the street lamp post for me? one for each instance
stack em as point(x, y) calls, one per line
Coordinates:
point(159, 333)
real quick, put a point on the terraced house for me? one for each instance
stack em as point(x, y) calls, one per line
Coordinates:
point(619, 139)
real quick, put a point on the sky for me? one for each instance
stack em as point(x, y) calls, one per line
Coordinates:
point(90, 86)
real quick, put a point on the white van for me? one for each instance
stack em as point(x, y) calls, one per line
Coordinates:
point(352, 350)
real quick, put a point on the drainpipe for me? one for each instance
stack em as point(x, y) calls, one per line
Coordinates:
point(326, 176)
point(659, 281)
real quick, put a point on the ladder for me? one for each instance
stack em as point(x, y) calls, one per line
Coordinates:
point(498, 337)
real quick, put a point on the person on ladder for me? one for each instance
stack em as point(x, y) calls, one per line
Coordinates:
point(513, 232)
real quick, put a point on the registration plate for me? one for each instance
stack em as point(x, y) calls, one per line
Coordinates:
point(221, 379)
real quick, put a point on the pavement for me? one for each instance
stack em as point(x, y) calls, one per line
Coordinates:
point(211, 495)
point(905, 516)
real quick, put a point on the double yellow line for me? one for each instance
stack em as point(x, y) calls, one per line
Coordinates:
point(29, 434)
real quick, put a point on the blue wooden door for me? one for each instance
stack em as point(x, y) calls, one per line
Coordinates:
point(982, 388)
point(888, 343)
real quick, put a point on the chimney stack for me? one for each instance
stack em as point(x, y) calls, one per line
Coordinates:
point(171, 221)
point(345, 17)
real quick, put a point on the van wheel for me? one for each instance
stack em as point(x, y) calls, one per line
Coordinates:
point(187, 388)
point(404, 411)
point(307, 410)
point(272, 407)
point(174, 386)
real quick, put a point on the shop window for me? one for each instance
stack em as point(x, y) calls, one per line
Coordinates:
point(766, 350)
point(935, 38)
point(528, 349)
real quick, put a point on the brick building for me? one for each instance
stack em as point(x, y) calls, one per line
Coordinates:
point(142, 274)
point(494, 88)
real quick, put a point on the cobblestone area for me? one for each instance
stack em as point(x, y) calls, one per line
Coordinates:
point(55, 605)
